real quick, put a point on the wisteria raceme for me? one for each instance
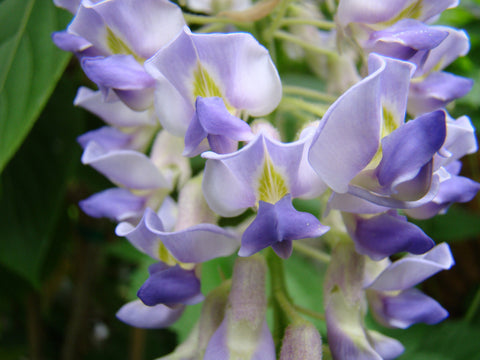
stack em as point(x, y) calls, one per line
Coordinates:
point(203, 129)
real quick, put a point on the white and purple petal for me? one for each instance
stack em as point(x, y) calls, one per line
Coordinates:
point(114, 113)
point(413, 269)
point(436, 91)
point(130, 168)
point(116, 204)
point(125, 76)
point(137, 314)
point(348, 134)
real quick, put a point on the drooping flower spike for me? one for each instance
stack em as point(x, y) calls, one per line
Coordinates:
point(265, 174)
point(206, 83)
point(384, 160)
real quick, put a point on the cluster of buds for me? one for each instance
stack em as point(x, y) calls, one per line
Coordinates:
point(386, 149)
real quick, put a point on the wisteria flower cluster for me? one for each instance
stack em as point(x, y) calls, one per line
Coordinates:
point(377, 148)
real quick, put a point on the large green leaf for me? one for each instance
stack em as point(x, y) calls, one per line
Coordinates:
point(34, 183)
point(30, 66)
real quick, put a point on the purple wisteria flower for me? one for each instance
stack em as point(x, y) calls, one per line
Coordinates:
point(433, 88)
point(375, 14)
point(384, 159)
point(353, 282)
point(145, 183)
point(244, 333)
point(113, 45)
point(392, 297)
point(265, 174)
point(205, 84)
point(179, 238)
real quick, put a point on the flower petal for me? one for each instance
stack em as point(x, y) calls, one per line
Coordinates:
point(136, 313)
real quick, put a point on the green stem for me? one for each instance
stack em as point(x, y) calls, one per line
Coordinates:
point(192, 19)
point(283, 35)
point(276, 23)
point(311, 252)
point(311, 93)
point(321, 24)
point(278, 285)
point(289, 309)
point(296, 103)
point(309, 312)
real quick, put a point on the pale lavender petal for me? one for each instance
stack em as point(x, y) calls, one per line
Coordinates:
point(195, 138)
point(387, 347)
point(173, 285)
point(140, 236)
point(251, 81)
point(216, 120)
point(116, 204)
point(409, 148)
point(266, 346)
point(156, 22)
point(229, 178)
point(173, 68)
point(136, 313)
point(455, 45)
point(290, 159)
point(436, 91)
point(115, 113)
point(70, 5)
point(89, 25)
point(413, 269)
point(107, 137)
point(367, 11)
point(70, 42)
point(395, 82)
point(354, 204)
point(409, 307)
point(405, 39)
point(217, 346)
point(223, 129)
point(348, 134)
point(387, 234)
point(195, 244)
point(460, 139)
point(129, 168)
point(123, 74)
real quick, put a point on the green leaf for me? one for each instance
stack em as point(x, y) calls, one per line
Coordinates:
point(30, 66)
point(34, 184)
point(450, 340)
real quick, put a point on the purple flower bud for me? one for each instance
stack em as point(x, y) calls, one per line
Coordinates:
point(301, 341)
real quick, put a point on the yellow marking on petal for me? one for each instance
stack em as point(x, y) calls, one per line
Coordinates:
point(414, 11)
point(118, 46)
point(166, 257)
point(387, 127)
point(205, 86)
point(271, 185)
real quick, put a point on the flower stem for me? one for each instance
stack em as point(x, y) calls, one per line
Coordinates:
point(296, 103)
point(309, 312)
point(321, 24)
point(311, 252)
point(283, 35)
point(204, 20)
point(311, 93)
